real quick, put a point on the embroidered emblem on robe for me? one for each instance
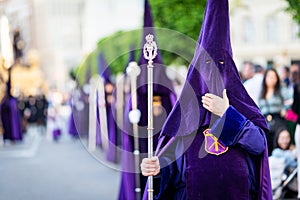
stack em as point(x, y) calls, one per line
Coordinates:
point(212, 144)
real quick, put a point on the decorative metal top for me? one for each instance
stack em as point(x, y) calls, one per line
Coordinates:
point(150, 49)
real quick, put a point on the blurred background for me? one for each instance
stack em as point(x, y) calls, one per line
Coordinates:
point(50, 52)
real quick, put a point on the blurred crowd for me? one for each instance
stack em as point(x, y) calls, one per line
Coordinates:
point(33, 110)
point(274, 95)
point(276, 92)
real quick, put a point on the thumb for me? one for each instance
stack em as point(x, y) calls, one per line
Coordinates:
point(154, 158)
point(225, 94)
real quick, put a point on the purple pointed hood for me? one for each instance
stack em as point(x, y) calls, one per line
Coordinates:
point(162, 84)
point(211, 70)
point(103, 69)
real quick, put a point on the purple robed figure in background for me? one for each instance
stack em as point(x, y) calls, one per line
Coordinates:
point(72, 127)
point(205, 156)
point(127, 186)
point(163, 101)
point(79, 119)
point(104, 72)
point(10, 115)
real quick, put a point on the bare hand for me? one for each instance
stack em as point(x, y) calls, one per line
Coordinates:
point(150, 167)
point(215, 104)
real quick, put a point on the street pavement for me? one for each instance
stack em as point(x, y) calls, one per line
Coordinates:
point(43, 169)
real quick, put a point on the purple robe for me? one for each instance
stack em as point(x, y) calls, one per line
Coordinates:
point(111, 152)
point(11, 119)
point(228, 161)
point(72, 127)
point(127, 184)
point(81, 117)
point(10, 115)
point(246, 149)
point(163, 90)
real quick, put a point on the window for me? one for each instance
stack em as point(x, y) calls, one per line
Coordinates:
point(272, 30)
point(249, 30)
point(295, 32)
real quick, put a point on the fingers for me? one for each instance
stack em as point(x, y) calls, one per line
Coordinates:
point(153, 172)
point(207, 107)
point(154, 159)
point(148, 171)
point(209, 95)
point(225, 94)
point(208, 101)
point(150, 167)
point(211, 102)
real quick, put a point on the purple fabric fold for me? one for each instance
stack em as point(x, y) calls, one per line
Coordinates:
point(211, 71)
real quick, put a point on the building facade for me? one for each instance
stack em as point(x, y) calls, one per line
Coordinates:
point(64, 31)
point(263, 32)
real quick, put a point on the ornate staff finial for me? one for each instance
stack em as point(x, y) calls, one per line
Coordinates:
point(150, 49)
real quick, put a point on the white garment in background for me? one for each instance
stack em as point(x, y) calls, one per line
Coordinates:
point(297, 143)
point(253, 86)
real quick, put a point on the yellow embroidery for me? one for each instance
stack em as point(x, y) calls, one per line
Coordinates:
point(215, 145)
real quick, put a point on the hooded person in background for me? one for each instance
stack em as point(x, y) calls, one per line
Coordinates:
point(163, 101)
point(212, 145)
point(104, 72)
point(10, 115)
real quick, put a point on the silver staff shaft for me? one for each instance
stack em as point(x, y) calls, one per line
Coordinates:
point(150, 126)
point(92, 115)
point(150, 52)
point(133, 71)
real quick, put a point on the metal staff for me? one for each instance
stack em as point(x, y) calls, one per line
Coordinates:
point(102, 113)
point(133, 70)
point(150, 52)
point(92, 115)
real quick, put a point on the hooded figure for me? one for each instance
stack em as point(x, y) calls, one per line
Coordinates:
point(72, 127)
point(10, 115)
point(212, 145)
point(104, 72)
point(163, 101)
point(81, 112)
